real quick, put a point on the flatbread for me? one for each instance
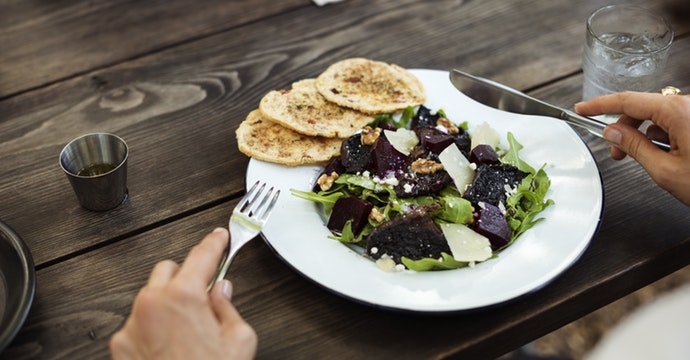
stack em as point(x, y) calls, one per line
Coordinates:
point(305, 110)
point(265, 140)
point(369, 86)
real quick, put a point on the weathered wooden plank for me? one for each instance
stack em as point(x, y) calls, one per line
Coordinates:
point(44, 43)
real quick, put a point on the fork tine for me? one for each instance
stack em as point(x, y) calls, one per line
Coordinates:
point(251, 205)
point(267, 210)
point(254, 212)
point(245, 199)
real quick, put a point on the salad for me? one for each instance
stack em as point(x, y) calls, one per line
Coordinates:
point(420, 192)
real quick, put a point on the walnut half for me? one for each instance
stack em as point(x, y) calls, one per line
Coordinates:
point(326, 181)
point(425, 166)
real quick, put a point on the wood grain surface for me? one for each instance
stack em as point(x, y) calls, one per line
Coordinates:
point(175, 79)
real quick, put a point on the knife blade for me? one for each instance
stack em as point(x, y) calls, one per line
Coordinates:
point(502, 97)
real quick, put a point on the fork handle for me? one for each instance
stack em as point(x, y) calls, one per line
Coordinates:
point(221, 273)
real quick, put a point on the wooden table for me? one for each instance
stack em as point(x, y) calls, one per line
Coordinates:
point(175, 79)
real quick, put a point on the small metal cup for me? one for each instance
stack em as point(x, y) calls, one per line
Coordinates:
point(96, 166)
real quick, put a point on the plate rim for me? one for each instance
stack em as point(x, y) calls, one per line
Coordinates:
point(16, 320)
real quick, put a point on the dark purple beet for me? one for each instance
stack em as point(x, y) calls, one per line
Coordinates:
point(484, 154)
point(434, 140)
point(494, 226)
point(424, 118)
point(355, 156)
point(349, 209)
point(386, 158)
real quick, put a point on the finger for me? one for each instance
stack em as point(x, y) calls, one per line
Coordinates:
point(162, 272)
point(221, 294)
point(636, 105)
point(629, 121)
point(202, 262)
point(236, 329)
point(657, 133)
point(223, 288)
point(634, 143)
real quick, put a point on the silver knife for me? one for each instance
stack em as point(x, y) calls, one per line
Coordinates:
point(502, 97)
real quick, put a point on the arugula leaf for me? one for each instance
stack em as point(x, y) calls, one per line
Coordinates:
point(388, 119)
point(527, 202)
point(511, 156)
point(325, 199)
point(427, 264)
point(455, 210)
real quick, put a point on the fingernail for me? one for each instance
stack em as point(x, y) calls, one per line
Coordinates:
point(226, 289)
point(612, 135)
point(219, 230)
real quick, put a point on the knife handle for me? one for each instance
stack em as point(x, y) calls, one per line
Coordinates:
point(597, 127)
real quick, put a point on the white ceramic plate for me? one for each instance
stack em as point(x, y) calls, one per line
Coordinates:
point(297, 233)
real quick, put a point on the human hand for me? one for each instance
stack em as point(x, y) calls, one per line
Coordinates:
point(173, 317)
point(671, 122)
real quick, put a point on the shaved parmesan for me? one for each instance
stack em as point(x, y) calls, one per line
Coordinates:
point(402, 140)
point(465, 244)
point(457, 166)
point(484, 134)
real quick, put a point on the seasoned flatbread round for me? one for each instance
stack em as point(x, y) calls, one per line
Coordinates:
point(369, 86)
point(305, 110)
point(265, 140)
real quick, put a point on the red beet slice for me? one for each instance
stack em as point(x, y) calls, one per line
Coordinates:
point(436, 141)
point(494, 226)
point(349, 209)
point(484, 154)
point(386, 158)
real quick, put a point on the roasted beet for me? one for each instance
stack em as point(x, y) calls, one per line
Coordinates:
point(349, 209)
point(433, 139)
point(386, 158)
point(414, 236)
point(424, 118)
point(355, 156)
point(410, 184)
point(490, 181)
point(492, 224)
point(463, 141)
point(484, 154)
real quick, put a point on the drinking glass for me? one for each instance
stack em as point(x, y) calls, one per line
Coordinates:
point(626, 48)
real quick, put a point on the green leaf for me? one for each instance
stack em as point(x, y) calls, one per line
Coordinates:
point(327, 199)
point(455, 210)
point(511, 156)
point(427, 264)
point(528, 201)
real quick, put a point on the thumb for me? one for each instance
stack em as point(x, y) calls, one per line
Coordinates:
point(634, 143)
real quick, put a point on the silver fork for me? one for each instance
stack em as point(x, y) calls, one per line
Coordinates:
point(246, 221)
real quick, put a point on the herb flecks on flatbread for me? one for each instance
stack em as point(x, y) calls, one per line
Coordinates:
point(265, 140)
point(305, 110)
point(370, 86)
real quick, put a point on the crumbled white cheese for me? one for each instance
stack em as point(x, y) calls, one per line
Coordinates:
point(407, 188)
point(385, 263)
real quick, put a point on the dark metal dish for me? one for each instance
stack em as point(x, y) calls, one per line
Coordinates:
point(17, 284)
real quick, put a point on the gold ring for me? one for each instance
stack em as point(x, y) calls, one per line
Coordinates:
point(670, 90)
